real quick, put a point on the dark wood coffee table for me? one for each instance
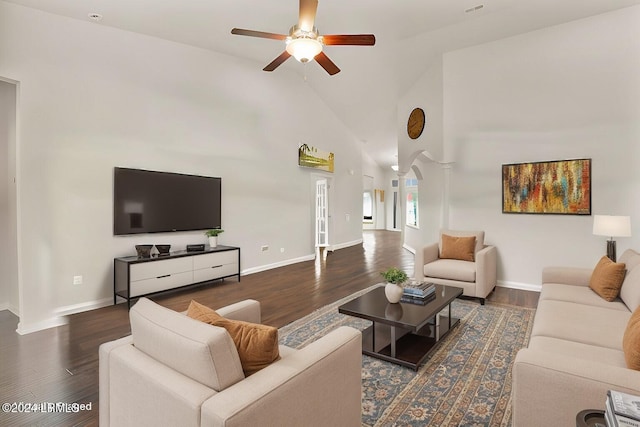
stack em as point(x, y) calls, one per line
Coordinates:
point(403, 333)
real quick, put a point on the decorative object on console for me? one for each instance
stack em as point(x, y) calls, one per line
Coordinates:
point(555, 187)
point(144, 251)
point(611, 226)
point(213, 236)
point(163, 249)
point(394, 289)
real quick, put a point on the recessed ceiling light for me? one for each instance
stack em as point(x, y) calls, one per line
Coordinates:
point(95, 17)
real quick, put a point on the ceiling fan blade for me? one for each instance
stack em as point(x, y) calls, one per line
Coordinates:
point(277, 62)
point(327, 64)
point(307, 16)
point(349, 39)
point(261, 34)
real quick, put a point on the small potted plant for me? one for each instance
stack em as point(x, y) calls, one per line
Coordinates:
point(395, 278)
point(213, 236)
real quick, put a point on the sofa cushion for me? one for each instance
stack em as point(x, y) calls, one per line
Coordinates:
point(578, 350)
point(580, 323)
point(607, 278)
point(457, 247)
point(257, 344)
point(630, 259)
point(631, 341)
point(579, 295)
point(452, 269)
point(199, 351)
point(630, 290)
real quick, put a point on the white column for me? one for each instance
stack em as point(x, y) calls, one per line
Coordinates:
point(402, 203)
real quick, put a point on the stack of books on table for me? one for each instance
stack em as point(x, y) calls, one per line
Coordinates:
point(622, 409)
point(418, 293)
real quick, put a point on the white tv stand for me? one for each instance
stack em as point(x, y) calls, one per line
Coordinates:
point(135, 277)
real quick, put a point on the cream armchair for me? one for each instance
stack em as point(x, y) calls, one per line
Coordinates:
point(174, 370)
point(477, 278)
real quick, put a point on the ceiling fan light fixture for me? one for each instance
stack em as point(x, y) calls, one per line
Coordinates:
point(304, 49)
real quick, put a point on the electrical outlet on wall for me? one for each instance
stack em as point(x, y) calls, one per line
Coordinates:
point(77, 280)
point(264, 248)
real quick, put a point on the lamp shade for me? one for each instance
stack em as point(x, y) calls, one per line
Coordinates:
point(304, 49)
point(612, 226)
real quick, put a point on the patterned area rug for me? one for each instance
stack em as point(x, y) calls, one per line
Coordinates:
point(465, 382)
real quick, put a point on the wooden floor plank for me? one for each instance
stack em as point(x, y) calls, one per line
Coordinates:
point(61, 364)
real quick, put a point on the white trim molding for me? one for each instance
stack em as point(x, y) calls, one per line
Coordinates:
point(520, 286)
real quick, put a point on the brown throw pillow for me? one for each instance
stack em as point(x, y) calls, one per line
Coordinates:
point(257, 344)
point(607, 278)
point(631, 341)
point(462, 248)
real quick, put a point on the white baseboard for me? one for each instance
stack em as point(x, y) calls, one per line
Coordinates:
point(10, 307)
point(409, 248)
point(284, 263)
point(61, 316)
point(345, 245)
point(520, 286)
point(84, 306)
point(24, 329)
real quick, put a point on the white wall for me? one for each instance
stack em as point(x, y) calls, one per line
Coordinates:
point(424, 154)
point(8, 248)
point(94, 97)
point(569, 91)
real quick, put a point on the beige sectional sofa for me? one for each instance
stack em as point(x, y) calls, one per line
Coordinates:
point(575, 352)
point(176, 371)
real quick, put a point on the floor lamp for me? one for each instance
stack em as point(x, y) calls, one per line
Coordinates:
point(611, 226)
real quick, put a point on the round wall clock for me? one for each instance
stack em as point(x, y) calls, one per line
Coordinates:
point(415, 124)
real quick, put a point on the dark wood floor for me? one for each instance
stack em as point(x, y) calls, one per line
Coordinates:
point(61, 364)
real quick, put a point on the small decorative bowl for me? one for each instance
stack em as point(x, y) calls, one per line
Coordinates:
point(144, 251)
point(163, 249)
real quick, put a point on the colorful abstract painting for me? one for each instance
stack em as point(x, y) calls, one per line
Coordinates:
point(311, 157)
point(556, 187)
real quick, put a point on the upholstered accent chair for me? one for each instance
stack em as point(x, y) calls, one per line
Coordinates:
point(461, 259)
point(175, 370)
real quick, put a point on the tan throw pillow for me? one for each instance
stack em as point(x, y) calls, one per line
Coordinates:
point(462, 248)
point(631, 341)
point(257, 344)
point(607, 278)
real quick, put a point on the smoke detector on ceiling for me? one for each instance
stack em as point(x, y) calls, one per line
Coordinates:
point(474, 9)
point(95, 17)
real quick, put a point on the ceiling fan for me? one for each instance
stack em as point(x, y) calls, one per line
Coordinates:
point(305, 44)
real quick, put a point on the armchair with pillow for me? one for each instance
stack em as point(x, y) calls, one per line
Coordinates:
point(461, 259)
point(176, 370)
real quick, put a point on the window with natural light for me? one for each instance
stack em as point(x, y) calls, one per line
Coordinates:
point(367, 207)
point(412, 202)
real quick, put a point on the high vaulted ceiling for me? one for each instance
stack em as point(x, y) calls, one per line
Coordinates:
point(410, 34)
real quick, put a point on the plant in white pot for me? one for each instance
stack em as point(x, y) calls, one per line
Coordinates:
point(213, 236)
point(394, 289)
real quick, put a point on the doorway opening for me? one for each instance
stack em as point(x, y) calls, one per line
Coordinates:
point(322, 214)
point(10, 298)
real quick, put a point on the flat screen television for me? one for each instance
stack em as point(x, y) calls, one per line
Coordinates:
point(154, 202)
